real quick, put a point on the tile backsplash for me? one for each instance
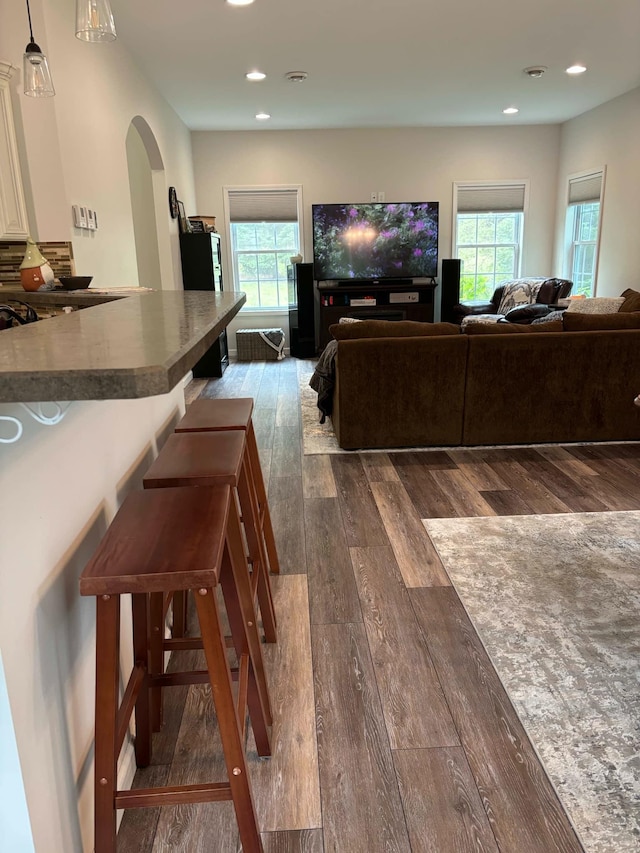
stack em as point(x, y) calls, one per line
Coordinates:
point(59, 255)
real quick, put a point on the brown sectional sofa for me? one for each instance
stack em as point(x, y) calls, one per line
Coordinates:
point(498, 387)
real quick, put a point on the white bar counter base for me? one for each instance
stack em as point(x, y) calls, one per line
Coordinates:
point(140, 345)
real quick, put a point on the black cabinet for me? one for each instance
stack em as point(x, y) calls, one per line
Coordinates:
point(201, 259)
point(302, 311)
point(373, 301)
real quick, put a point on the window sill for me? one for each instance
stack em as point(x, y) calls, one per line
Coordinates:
point(252, 310)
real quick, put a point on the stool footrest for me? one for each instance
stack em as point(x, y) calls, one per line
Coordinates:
point(179, 679)
point(174, 795)
point(185, 644)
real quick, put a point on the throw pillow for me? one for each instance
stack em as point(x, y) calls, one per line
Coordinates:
point(576, 322)
point(349, 320)
point(596, 305)
point(631, 300)
point(527, 313)
point(551, 317)
point(512, 328)
point(520, 291)
point(480, 318)
point(390, 329)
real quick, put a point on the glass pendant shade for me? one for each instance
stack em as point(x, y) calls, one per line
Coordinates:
point(94, 21)
point(36, 74)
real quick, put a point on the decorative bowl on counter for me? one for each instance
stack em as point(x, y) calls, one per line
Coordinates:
point(75, 282)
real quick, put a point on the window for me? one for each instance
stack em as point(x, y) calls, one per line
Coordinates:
point(488, 228)
point(265, 233)
point(582, 228)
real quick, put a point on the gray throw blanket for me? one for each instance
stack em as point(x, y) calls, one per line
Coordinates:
point(323, 379)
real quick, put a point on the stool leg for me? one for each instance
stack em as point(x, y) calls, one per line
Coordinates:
point(235, 759)
point(256, 471)
point(246, 640)
point(107, 702)
point(180, 602)
point(257, 552)
point(141, 656)
point(156, 654)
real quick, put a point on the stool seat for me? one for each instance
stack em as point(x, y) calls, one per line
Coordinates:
point(205, 415)
point(137, 554)
point(194, 459)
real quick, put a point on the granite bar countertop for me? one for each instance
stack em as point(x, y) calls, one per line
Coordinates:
point(138, 345)
point(59, 296)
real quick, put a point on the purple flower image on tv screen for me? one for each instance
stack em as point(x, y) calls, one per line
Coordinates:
point(372, 241)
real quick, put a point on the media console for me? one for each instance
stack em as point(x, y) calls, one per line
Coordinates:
point(404, 300)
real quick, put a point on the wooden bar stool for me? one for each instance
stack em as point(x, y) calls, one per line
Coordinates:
point(215, 415)
point(211, 458)
point(160, 541)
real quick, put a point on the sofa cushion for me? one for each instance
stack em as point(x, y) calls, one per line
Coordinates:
point(631, 300)
point(575, 322)
point(511, 328)
point(596, 305)
point(520, 291)
point(391, 329)
point(527, 313)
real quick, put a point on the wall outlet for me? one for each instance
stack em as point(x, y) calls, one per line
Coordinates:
point(374, 197)
point(381, 195)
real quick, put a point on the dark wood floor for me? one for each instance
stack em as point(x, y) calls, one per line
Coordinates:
point(392, 731)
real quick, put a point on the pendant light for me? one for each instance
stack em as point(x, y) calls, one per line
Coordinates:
point(36, 74)
point(94, 21)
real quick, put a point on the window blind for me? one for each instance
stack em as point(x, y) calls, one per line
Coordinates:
point(499, 198)
point(257, 205)
point(586, 189)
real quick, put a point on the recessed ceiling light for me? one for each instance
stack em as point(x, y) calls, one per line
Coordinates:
point(262, 116)
point(296, 76)
point(535, 71)
point(255, 75)
point(576, 69)
point(510, 111)
point(239, 2)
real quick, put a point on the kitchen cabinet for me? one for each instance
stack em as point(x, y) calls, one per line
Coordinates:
point(13, 210)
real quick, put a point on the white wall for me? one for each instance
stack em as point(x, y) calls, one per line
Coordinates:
point(607, 136)
point(73, 145)
point(408, 164)
point(60, 485)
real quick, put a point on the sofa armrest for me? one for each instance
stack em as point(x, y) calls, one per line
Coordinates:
point(399, 392)
point(465, 309)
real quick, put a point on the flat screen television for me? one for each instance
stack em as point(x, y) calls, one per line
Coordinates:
point(367, 242)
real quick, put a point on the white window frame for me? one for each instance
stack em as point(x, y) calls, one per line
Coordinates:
point(228, 248)
point(570, 223)
point(487, 186)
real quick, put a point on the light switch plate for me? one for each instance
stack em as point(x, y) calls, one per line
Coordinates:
point(91, 220)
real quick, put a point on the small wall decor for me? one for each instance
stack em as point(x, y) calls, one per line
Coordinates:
point(185, 225)
point(173, 202)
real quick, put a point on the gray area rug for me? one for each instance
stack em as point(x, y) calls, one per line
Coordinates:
point(556, 602)
point(316, 437)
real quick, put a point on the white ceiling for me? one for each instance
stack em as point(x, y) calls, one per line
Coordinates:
point(382, 63)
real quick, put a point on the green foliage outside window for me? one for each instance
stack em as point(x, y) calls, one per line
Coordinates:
point(488, 244)
point(261, 252)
